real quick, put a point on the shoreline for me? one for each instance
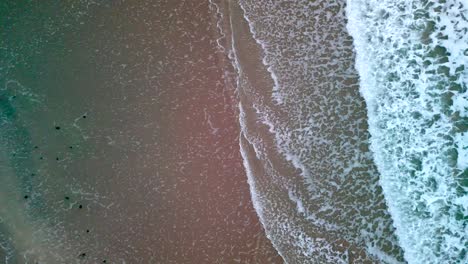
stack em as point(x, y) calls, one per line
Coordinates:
point(138, 140)
point(283, 187)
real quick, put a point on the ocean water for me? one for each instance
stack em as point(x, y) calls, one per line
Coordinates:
point(412, 58)
point(354, 119)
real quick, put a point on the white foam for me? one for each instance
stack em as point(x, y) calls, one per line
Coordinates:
point(307, 55)
point(269, 66)
point(412, 131)
point(300, 207)
point(384, 257)
point(255, 196)
point(461, 140)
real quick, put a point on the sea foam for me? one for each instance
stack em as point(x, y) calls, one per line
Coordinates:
point(320, 198)
point(411, 57)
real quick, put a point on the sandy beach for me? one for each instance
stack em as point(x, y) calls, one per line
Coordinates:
point(137, 133)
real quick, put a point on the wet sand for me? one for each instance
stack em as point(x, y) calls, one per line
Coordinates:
point(145, 167)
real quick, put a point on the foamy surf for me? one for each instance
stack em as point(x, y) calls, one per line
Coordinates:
point(303, 132)
point(411, 57)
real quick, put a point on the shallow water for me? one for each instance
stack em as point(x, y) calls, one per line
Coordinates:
point(412, 58)
point(304, 134)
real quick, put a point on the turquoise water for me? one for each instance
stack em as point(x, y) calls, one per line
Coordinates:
point(412, 58)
